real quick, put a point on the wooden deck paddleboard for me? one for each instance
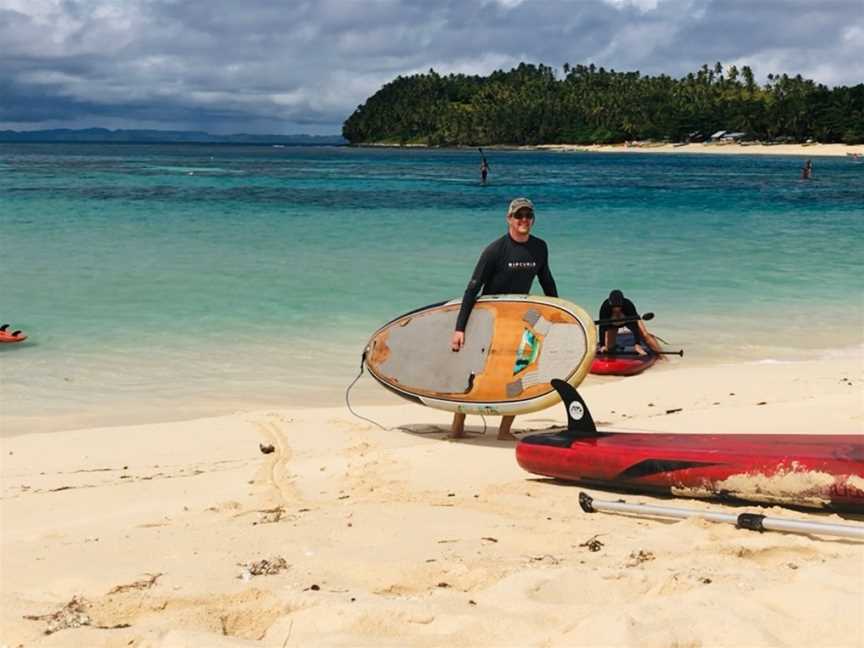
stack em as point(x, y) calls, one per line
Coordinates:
point(514, 345)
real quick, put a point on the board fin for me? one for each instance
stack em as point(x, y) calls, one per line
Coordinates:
point(579, 420)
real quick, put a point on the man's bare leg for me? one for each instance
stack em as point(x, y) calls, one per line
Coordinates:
point(457, 429)
point(504, 433)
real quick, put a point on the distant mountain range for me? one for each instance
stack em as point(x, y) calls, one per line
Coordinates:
point(160, 137)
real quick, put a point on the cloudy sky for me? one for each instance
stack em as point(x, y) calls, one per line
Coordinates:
point(302, 66)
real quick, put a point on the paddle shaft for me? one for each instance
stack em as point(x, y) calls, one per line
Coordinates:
point(618, 321)
point(633, 354)
point(751, 521)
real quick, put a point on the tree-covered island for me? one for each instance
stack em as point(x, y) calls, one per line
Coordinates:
point(530, 105)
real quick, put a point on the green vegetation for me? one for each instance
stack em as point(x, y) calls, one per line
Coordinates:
point(590, 105)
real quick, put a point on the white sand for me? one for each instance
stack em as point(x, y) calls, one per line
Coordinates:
point(802, 150)
point(399, 538)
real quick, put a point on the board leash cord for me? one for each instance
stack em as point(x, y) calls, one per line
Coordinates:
point(348, 394)
point(750, 521)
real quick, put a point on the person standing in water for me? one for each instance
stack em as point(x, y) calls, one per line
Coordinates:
point(507, 266)
point(807, 170)
point(484, 168)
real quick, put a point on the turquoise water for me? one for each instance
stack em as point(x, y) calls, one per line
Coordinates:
point(179, 280)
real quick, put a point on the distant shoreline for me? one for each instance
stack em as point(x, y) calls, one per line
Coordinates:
point(183, 142)
point(802, 150)
point(152, 136)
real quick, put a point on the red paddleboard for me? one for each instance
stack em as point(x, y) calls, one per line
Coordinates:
point(616, 365)
point(810, 470)
point(626, 362)
point(10, 336)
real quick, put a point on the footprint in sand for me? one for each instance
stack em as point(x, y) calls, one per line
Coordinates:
point(275, 474)
point(246, 615)
point(775, 555)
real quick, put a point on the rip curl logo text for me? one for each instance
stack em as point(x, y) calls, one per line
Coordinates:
point(521, 265)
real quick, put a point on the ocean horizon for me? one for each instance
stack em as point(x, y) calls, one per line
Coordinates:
point(160, 282)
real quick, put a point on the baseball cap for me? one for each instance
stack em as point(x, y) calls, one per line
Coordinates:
point(519, 203)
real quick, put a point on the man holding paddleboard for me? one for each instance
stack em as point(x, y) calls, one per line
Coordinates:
point(506, 267)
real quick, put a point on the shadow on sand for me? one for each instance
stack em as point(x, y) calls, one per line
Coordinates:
point(482, 435)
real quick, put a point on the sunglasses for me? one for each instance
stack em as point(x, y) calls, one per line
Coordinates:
point(529, 216)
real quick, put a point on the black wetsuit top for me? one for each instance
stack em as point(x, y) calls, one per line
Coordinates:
point(508, 267)
point(629, 310)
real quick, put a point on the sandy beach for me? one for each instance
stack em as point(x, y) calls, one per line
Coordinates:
point(719, 148)
point(157, 535)
point(855, 152)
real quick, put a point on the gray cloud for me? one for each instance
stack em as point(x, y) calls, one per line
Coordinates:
point(303, 66)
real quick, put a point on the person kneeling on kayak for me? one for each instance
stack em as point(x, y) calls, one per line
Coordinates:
point(617, 306)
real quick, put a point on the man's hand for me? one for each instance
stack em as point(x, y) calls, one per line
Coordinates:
point(457, 341)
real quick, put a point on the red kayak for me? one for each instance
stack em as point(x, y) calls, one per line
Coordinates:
point(10, 336)
point(621, 365)
point(624, 362)
point(810, 470)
